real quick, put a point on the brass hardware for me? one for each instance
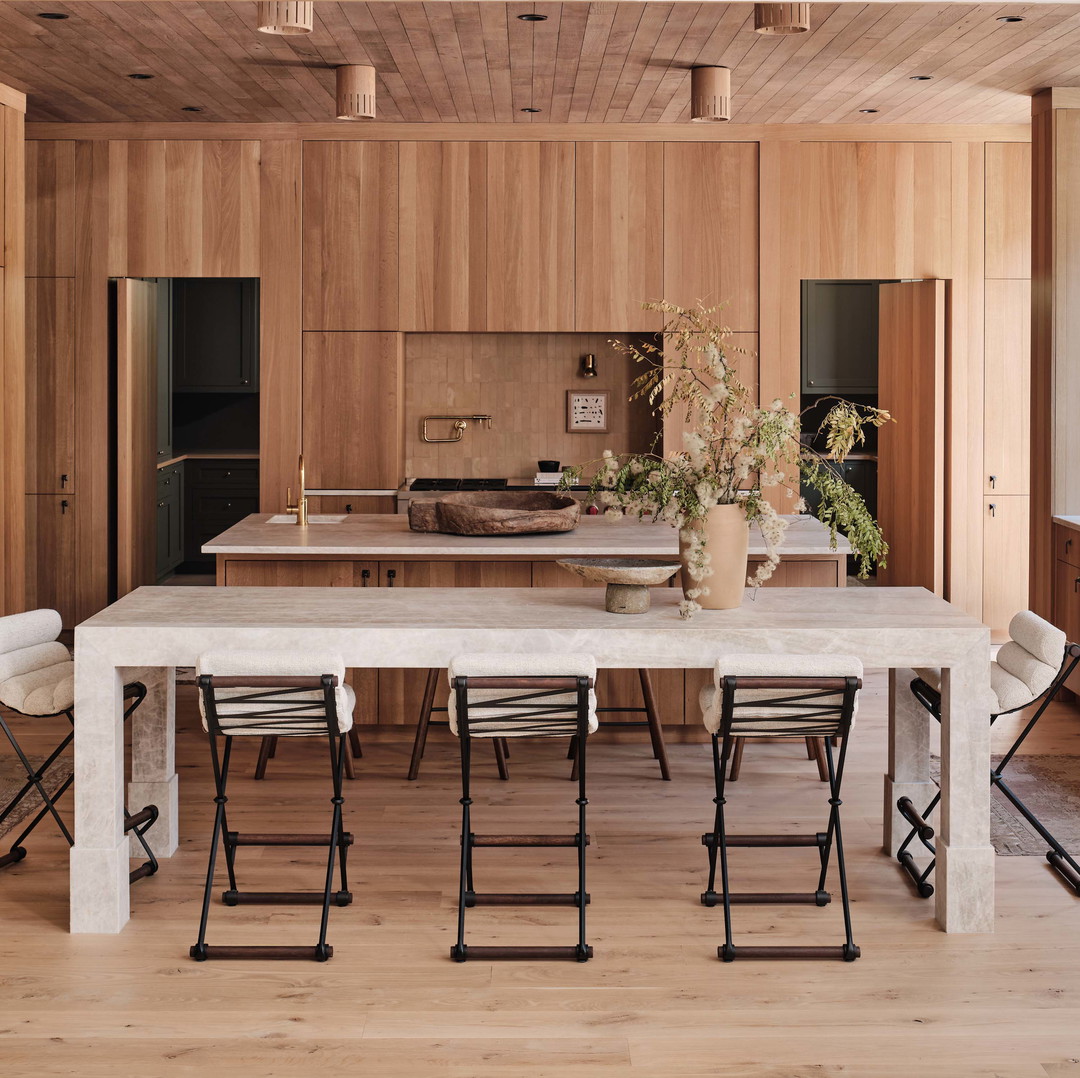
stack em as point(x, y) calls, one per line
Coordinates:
point(459, 424)
point(300, 508)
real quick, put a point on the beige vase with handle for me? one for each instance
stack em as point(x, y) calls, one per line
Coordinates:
point(727, 540)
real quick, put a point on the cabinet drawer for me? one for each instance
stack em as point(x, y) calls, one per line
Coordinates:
point(169, 479)
point(214, 506)
point(1067, 544)
point(224, 473)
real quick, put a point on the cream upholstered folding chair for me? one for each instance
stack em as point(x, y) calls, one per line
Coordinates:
point(521, 696)
point(792, 696)
point(1029, 669)
point(37, 680)
point(274, 694)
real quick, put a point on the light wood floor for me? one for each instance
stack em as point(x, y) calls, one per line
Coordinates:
point(654, 1003)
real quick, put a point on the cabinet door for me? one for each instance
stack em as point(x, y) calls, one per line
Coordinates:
point(215, 335)
point(302, 573)
point(619, 206)
point(619, 688)
point(711, 228)
point(839, 337)
point(401, 691)
point(1067, 608)
point(170, 530)
point(1007, 387)
point(351, 503)
point(443, 220)
point(353, 410)
point(350, 235)
point(802, 573)
point(50, 543)
point(530, 236)
point(50, 385)
point(1005, 555)
point(164, 387)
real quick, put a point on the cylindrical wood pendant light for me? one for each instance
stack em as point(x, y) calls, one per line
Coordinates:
point(286, 17)
point(356, 92)
point(710, 94)
point(781, 18)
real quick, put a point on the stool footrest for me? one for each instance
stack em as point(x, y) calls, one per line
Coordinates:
point(572, 954)
point(769, 898)
point(14, 855)
point(284, 898)
point(922, 886)
point(146, 869)
point(1064, 870)
point(235, 838)
point(819, 840)
point(317, 953)
point(906, 807)
point(847, 953)
point(147, 815)
point(473, 898)
point(527, 840)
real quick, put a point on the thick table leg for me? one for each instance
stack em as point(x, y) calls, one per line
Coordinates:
point(99, 858)
point(965, 859)
point(909, 758)
point(153, 763)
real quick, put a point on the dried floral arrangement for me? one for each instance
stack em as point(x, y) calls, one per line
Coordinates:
point(733, 450)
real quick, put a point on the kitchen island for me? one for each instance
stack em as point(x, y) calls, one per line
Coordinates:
point(380, 550)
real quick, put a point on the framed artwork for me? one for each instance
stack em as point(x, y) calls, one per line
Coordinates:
point(587, 412)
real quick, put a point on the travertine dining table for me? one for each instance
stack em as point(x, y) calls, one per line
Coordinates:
point(150, 632)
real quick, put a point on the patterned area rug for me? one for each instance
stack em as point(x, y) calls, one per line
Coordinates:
point(1050, 787)
point(12, 777)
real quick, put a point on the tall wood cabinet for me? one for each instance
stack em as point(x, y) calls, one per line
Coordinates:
point(50, 385)
point(50, 537)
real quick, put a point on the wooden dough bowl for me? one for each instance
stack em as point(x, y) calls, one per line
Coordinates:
point(496, 512)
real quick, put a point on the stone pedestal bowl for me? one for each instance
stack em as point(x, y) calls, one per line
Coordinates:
point(497, 512)
point(628, 579)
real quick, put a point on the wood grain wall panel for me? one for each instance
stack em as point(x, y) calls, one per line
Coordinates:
point(50, 386)
point(1007, 351)
point(530, 236)
point(189, 209)
point(1008, 209)
point(443, 221)
point(50, 208)
point(281, 377)
point(1005, 555)
point(50, 535)
point(711, 228)
point(353, 398)
point(619, 235)
point(350, 198)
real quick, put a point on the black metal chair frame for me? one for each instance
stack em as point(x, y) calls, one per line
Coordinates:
point(1058, 857)
point(502, 752)
point(533, 708)
point(804, 694)
point(138, 823)
point(268, 750)
point(285, 710)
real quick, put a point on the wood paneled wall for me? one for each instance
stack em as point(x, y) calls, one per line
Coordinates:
point(471, 228)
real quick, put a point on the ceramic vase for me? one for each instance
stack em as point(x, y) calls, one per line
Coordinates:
point(727, 539)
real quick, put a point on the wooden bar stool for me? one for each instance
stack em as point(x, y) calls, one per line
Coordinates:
point(790, 696)
point(1029, 669)
point(267, 694)
point(520, 696)
point(37, 680)
point(649, 709)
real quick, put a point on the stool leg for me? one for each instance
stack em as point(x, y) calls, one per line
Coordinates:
point(267, 748)
point(656, 731)
point(500, 757)
point(816, 747)
point(354, 743)
point(736, 759)
point(423, 723)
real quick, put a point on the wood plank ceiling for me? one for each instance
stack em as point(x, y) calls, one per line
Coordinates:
point(589, 62)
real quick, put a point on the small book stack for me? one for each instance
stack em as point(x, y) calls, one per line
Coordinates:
point(547, 479)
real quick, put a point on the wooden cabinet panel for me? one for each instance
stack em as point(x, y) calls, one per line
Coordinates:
point(443, 222)
point(711, 228)
point(50, 385)
point(530, 236)
point(258, 573)
point(353, 404)
point(50, 542)
point(350, 235)
point(1067, 545)
point(50, 209)
point(1066, 601)
point(1005, 559)
point(191, 208)
point(796, 573)
point(1008, 209)
point(347, 503)
point(1007, 388)
point(619, 213)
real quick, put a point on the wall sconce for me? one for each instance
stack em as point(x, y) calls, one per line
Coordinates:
point(588, 366)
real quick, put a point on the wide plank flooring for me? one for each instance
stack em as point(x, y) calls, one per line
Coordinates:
point(654, 1003)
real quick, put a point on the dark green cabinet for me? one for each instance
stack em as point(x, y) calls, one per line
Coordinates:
point(839, 337)
point(215, 334)
point(218, 494)
point(170, 518)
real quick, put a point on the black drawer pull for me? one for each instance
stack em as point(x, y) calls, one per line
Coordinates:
point(391, 576)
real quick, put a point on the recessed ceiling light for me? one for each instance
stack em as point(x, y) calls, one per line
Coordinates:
point(868, 110)
point(52, 15)
point(191, 108)
point(531, 109)
point(140, 77)
point(920, 78)
point(1010, 18)
point(533, 17)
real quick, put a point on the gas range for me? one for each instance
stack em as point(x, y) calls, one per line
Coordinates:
point(458, 484)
